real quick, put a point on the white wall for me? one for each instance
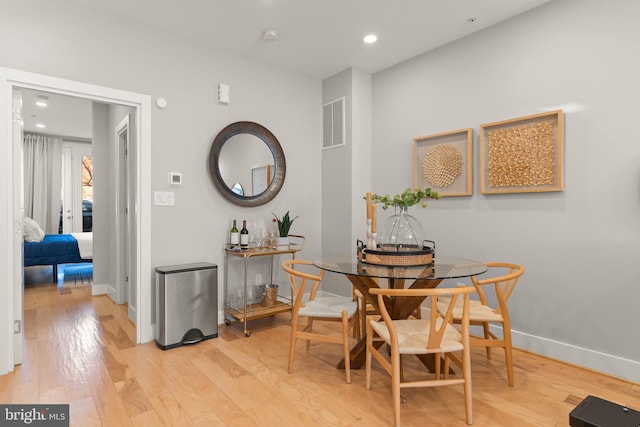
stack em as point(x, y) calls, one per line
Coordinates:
point(66, 40)
point(337, 183)
point(578, 299)
point(102, 189)
point(346, 171)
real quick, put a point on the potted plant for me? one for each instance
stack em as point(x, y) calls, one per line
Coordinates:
point(284, 224)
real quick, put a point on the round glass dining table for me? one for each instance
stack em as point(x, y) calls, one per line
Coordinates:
point(443, 267)
point(365, 276)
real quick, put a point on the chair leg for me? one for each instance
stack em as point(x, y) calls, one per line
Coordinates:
point(345, 345)
point(367, 364)
point(508, 355)
point(395, 386)
point(466, 372)
point(309, 329)
point(362, 313)
point(292, 341)
point(487, 336)
point(447, 364)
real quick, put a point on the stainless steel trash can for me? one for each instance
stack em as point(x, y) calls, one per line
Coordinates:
point(186, 304)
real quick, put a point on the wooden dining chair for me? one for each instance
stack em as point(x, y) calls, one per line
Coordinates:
point(306, 303)
point(435, 335)
point(503, 280)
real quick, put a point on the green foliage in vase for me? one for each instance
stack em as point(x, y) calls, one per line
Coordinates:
point(408, 198)
point(284, 224)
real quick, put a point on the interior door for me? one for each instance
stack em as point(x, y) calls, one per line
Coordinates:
point(77, 198)
point(17, 235)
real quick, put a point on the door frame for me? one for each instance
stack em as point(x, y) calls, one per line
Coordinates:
point(11, 282)
point(122, 206)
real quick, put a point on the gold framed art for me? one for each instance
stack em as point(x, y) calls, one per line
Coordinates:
point(522, 155)
point(444, 162)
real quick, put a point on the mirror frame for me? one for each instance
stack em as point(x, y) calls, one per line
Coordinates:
point(274, 146)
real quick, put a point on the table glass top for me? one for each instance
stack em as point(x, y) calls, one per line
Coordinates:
point(443, 267)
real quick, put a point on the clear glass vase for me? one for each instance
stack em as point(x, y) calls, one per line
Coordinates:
point(400, 232)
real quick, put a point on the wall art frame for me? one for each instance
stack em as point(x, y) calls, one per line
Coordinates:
point(522, 155)
point(261, 177)
point(444, 162)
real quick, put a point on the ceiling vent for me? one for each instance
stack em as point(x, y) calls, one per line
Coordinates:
point(333, 124)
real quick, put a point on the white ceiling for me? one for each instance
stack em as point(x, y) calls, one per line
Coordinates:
point(64, 116)
point(318, 38)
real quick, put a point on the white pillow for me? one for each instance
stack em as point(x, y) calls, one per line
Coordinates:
point(31, 231)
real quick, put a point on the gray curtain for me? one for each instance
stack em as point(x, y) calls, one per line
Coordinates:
point(42, 162)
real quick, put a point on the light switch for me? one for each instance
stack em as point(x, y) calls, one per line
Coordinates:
point(164, 198)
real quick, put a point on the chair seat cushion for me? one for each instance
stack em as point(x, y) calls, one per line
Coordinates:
point(331, 307)
point(414, 333)
point(477, 311)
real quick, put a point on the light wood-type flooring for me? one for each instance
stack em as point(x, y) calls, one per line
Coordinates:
point(81, 350)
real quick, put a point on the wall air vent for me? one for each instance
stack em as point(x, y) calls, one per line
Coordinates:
point(333, 124)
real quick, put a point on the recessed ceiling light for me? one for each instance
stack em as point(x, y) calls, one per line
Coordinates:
point(270, 35)
point(40, 126)
point(370, 38)
point(42, 101)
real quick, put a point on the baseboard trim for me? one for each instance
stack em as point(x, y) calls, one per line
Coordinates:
point(589, 359)
point(102, 289)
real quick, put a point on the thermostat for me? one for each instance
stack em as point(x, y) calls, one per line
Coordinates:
point(175, 178)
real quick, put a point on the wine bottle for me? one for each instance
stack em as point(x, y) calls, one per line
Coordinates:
point(235, 235)
point(244, 235)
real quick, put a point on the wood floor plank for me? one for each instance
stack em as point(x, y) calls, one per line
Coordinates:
point(83, 412)
point(81, 350)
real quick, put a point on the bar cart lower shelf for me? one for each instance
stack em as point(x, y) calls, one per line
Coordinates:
point(255, 311)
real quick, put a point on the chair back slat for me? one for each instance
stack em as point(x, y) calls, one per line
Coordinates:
point(299, 280)
point(437, 322)
point(503, 285)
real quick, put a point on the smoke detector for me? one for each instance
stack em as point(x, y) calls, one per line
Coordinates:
point(270, 35)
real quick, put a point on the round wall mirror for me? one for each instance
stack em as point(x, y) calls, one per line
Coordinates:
point(247, 156)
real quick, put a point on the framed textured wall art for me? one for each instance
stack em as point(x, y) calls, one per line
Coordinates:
point(522, 155)
point(444, 162)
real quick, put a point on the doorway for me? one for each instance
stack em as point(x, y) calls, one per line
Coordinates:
point(11, 218)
